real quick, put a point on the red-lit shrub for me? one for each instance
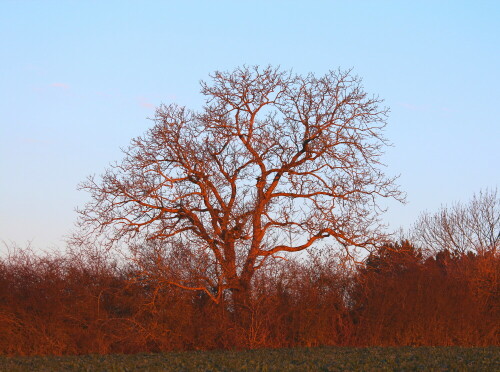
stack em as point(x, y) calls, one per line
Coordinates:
point(448, 299)
point(66, 304)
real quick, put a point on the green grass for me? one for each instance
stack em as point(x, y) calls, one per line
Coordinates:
point(313, 359)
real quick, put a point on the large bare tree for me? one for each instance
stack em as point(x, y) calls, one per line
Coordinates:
point(275, 162)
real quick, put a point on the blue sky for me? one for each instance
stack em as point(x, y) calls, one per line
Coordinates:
point(79, 79)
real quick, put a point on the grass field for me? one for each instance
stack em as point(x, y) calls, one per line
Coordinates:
point(313, 359)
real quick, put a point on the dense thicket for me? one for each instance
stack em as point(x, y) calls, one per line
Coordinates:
point(67, 305)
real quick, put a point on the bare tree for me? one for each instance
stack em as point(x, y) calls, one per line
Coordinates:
point(275, 162)
point(473, 227)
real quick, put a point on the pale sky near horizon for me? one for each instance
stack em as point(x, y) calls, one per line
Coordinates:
point(79, 79)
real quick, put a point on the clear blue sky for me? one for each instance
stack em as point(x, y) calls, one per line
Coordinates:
point(79, 78)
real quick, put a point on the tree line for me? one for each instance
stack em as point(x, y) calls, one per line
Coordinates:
point(243, 225)
point(401, 294)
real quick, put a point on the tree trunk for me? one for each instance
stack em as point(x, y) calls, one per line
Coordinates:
point(241, 300)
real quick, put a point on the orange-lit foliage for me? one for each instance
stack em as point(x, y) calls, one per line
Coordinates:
point(62, 305)
point(447, 299)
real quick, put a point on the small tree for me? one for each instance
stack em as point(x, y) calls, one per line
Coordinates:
point(274, 162)
point(462, 228)
point(393, 258)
